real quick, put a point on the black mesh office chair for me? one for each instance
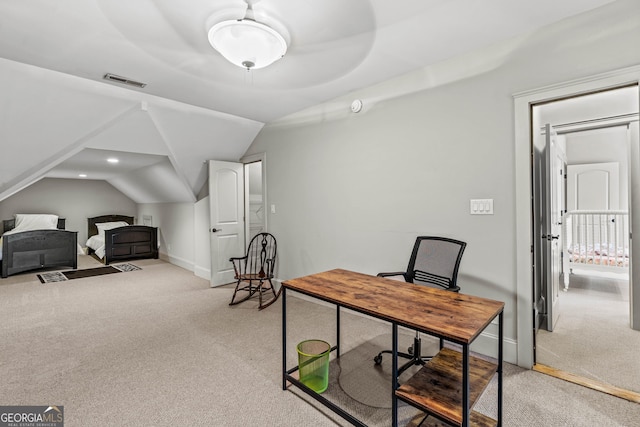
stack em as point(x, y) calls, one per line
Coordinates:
point(434, 262)
point(254, 271)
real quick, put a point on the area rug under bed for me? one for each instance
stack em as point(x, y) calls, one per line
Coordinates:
point(61, 276)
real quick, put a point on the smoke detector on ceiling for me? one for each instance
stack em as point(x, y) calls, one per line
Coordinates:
point(356, 106)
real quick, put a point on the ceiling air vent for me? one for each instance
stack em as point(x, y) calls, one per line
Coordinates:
point(123, 80)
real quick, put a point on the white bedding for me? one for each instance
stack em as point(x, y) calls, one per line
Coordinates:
point(96, 242)
point(29, 222)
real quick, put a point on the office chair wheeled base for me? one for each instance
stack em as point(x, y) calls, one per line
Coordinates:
point(414, 355)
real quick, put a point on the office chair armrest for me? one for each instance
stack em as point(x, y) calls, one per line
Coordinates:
point(397, 273)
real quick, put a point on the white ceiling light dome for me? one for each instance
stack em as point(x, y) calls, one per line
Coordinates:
point(247, 43)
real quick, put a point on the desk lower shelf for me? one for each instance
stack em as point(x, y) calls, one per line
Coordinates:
point(437, 387)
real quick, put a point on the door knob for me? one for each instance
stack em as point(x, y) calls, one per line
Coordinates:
point(215, 230)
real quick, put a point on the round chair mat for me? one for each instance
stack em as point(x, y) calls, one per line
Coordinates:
point(370, 384)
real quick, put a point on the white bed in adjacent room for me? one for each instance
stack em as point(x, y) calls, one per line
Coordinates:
point(596, 240)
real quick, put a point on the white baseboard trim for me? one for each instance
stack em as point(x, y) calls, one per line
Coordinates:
point(203, 273)
point(486, 343)
point(180, 262)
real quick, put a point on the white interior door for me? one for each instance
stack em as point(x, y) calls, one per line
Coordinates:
point(553, 202)
point(594, 186)
point(226, 198)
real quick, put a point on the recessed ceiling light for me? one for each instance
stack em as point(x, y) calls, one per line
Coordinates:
point(82, 175)
point(112, 160)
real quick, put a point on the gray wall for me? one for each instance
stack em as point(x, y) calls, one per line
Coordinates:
point(175, 222)
point(354, 190)
point(74, 199)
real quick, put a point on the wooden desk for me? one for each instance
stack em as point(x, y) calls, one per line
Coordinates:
point(455, 317)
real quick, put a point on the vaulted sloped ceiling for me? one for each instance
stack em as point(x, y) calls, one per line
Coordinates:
point(48, 118)
point(56, 109)
point(152, 184)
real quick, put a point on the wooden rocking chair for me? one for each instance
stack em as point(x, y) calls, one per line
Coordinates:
point(254, 271)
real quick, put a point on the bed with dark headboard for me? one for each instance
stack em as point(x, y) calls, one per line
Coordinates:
point(124, 242)
point(35, 249)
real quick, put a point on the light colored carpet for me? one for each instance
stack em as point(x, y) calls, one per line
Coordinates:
point(159, 347)
point(592, 337)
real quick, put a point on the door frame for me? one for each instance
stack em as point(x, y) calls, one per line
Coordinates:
point(523, 102)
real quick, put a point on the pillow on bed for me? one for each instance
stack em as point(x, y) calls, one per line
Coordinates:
point(101, 226)
point(36, 222)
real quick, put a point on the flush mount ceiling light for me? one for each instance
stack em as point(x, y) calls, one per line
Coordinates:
point(247, 43)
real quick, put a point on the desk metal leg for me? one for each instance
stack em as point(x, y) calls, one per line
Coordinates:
point(465, 385)
point(338, 331)
point(284, 338)
point(500, 349)
point(394, 377)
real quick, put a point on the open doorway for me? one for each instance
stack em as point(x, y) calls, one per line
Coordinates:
point(234, 207)
point(524, 238)
point(255, 195)
point(591, 327)
point(254, 200)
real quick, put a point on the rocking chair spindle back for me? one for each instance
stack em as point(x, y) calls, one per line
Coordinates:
point(254, 271)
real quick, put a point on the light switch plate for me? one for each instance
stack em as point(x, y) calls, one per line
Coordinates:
point(481, 206)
